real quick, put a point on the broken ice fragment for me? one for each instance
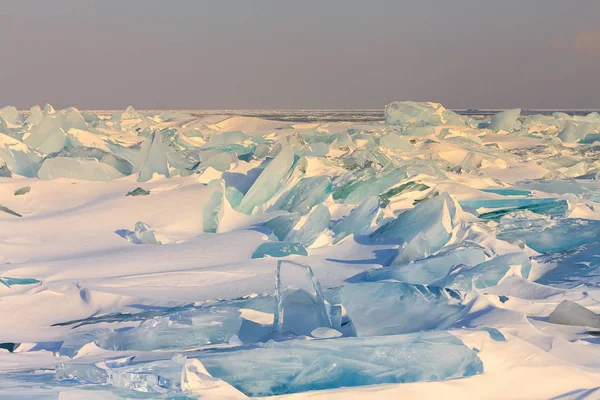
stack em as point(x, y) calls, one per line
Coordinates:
point(213, 209)
point(76, 168)
point(23, 190)
point(506, 120)
point(313, 225)
point(138, 191)
point(151, 159)
point(434, 218)
point(427, 270)
point(388, 308)
point(268, 181)
point(182, 330)
point(279, 249)
point(486, 274)
point(300, 301)
point(359, 220)
point(420, 113)
point(302, 365)
point(282, 225)
point(142, 234)
point(571, 313)
point(304, 195)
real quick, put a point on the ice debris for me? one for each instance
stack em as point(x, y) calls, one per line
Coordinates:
point(142, 234)
point(571, 313)
point(22, 191)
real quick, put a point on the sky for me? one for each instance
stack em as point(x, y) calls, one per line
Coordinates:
point(279, 54)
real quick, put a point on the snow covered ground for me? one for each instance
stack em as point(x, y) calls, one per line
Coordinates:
point(171, 255)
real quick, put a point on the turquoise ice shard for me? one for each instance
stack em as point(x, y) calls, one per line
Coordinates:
point(302, 365)
point(268, 181)
point(279, 249)
point(151, 159)
point(305, 194)
point(213, 209)
point(138, 191)
point(434, 218)
point(359, 220)
point(486, 274)
point(182, 330)
point(571, 313)
point(77, 168)
point(355, 187)
point(19, 158)
point(282, 224)
point(300, 301)
point(312, 227)
point(506, 120)
point(8, 281)
point(420, 113)
point(234, 196)
point(389, 308)
point(142, 234)
point(196, 382)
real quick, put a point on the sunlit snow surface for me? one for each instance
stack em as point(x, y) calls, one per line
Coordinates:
point(331, 255)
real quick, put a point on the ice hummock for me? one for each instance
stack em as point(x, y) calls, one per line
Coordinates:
point(571, 313)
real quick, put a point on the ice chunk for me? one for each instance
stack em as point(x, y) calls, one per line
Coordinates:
point(35, 115)
point(427, 270)
point(508, 192)
point(300, 301)
point(305, 194)
point(142, 234)
point(152, 159)
point(22, 191)
point(486, 274)
point(398, 190)
point(389, 308)
point(76, 168)
point(434, 218)
point(75, 340)
point(282, 225)
point(138, 191)
point(416, 113)
point(359, 220)
point(553, 208)
point(154, 377)
point(3, 126)
point(312, 227)
point(471, 162)
point(356, 187)
point(506, 120)
point(268, 181)
point(571, 313)
point(19, 158)
point(11, 115)
point(547, 235)
point(279, 249)
point(181, 330)
point(213, 209)
point(298, 366)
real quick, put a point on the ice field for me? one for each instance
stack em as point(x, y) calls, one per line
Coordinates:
point(171, 255)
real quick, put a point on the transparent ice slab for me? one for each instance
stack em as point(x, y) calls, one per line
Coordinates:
point(294, 366)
